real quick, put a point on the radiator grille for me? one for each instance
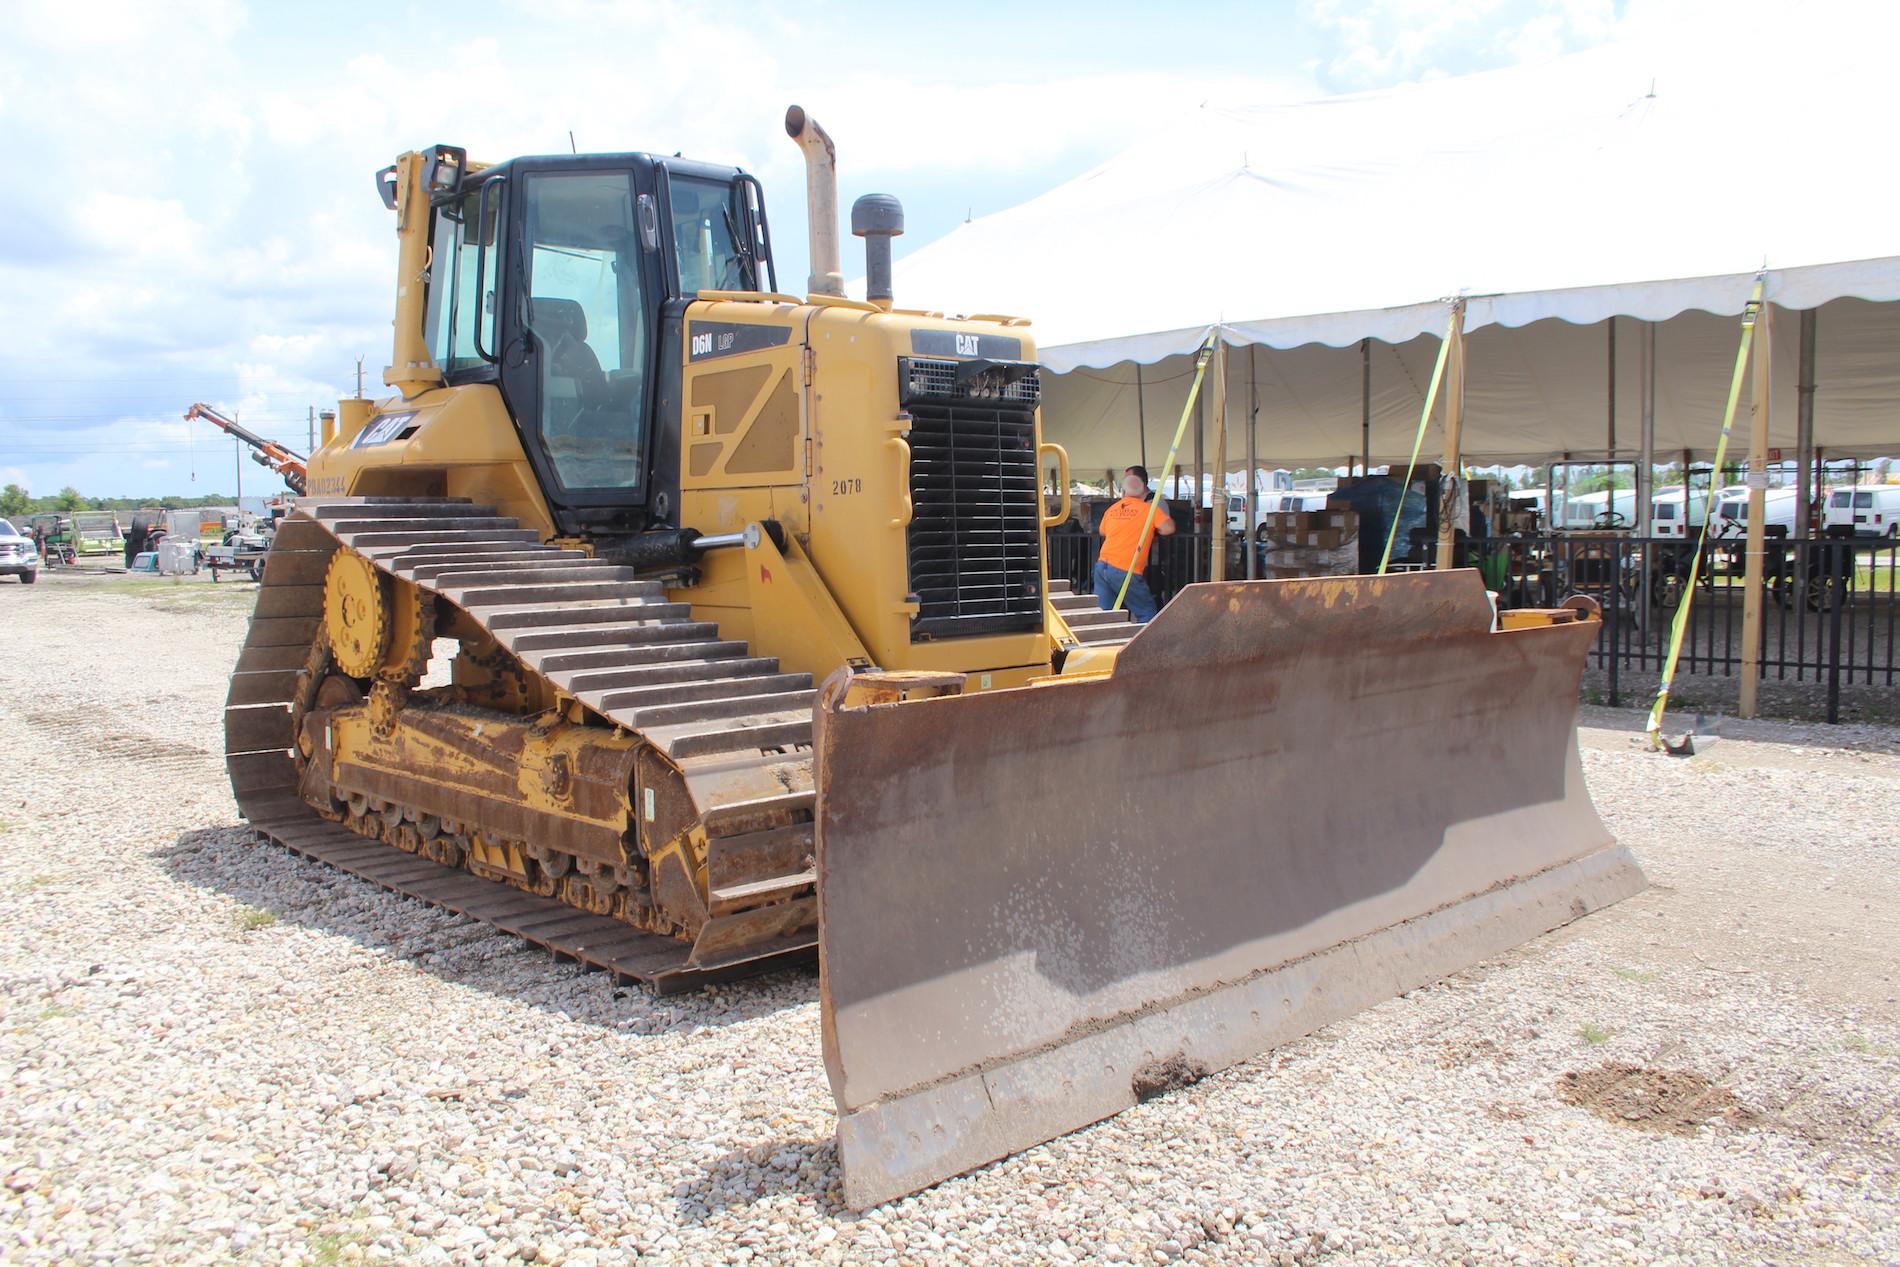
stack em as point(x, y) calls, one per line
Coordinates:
point(975, 537)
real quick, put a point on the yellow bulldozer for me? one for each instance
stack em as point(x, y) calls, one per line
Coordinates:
point(688, 628)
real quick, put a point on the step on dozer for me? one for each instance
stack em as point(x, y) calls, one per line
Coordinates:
point(1288, 801)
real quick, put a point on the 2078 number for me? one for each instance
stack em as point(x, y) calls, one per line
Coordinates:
point(844, 488)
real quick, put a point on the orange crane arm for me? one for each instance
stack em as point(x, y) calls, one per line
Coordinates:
point(292, 466)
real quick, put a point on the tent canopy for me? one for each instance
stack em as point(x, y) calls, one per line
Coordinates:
point(1620, 183)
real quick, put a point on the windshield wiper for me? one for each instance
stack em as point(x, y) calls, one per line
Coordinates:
point(748, 267)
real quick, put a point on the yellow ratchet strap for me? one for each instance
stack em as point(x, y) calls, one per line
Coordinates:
point(1749, 313)
point(1194, 391)
point(1418, 441)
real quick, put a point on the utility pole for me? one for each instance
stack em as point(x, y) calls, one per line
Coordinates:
point(313, 431)
point(237, 453)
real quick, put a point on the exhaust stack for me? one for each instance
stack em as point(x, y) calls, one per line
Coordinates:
point(821, 200)
point(877, 218)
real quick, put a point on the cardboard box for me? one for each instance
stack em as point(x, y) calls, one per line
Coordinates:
point(1295, 522)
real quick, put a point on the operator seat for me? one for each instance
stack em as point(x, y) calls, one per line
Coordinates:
point(584, 430)
point(562, 327)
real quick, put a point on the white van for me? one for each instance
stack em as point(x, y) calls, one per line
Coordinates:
point(1589, 510)
point(1780, 506)
point(1872, 509)
point(1279, 501)
point(1666, 512)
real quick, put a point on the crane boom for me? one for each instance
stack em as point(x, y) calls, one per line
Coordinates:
point(292, 466)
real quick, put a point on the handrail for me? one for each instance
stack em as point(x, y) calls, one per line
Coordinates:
point(902, 446)
point(1062, 477)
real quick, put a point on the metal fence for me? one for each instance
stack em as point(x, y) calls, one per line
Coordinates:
point(1178, 560)
point(1831, 607)
point(1829, 614)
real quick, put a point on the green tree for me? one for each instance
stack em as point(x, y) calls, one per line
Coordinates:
point(69, 499)
point(13, 500)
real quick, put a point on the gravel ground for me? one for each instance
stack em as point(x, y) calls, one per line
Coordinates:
point(214, 1052)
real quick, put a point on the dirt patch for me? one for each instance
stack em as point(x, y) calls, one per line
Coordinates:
point(1674, 1101)
point(1158, 1077)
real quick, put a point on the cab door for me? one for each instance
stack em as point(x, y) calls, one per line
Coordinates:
point(579, 368)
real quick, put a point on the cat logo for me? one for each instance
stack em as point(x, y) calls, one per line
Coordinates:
point(967, 344)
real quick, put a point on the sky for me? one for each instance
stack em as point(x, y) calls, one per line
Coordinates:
point(189, 213)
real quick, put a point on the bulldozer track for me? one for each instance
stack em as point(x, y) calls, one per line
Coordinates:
point(600, 634)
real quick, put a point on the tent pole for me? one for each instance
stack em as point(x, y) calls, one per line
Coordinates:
point(1451, 478)
point(1646, 459)
point(1365, 409)
point(1199, 571)
point(1809, 496)
point(1610, 414)
point(1757, 512)
point(1217, 495)
point(1141, 420)
point(1253, 464)
point(1685, 493)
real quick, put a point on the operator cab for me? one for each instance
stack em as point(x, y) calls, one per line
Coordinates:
point(559, 278)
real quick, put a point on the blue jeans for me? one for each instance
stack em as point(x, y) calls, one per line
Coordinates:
point(1108, 583)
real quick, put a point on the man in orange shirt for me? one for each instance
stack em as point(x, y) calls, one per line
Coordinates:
point(1126, 538)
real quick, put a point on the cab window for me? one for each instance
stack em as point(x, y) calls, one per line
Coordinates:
point(587, 326)
point(461, 314)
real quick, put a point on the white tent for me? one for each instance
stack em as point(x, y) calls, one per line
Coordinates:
point(1570, 204)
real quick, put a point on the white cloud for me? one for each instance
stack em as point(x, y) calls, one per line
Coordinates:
point(1384, 41)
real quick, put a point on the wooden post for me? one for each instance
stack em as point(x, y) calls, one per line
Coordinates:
point(1449, 476)
point(1757, 513)
point(1217, 495)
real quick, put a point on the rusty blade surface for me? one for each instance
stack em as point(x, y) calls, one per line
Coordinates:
point(1290, 800)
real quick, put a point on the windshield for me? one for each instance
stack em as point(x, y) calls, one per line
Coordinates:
point(706, 236)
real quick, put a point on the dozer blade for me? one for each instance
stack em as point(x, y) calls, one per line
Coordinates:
point(1290, 800)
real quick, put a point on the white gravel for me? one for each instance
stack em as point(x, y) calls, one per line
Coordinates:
point(214, 1052)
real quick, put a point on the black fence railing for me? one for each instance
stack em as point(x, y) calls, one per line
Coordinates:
point(1829, 613)
point(1830, 610)
point(1178, 560)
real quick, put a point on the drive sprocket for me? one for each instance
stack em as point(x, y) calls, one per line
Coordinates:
point(411, 634)
point(357, 613)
